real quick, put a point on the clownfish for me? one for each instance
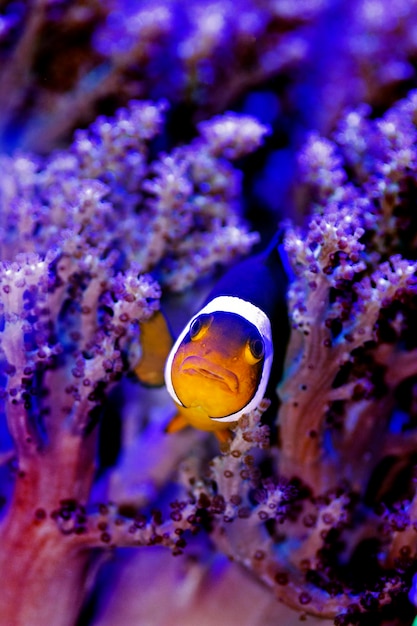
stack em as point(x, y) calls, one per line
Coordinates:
point(230, 353)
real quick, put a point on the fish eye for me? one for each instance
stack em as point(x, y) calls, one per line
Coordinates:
point(199, 326)
point(255, 350)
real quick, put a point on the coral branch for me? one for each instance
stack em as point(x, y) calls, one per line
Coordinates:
point(74, 298)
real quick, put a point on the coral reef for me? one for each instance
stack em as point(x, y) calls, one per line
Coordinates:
point(122, 185)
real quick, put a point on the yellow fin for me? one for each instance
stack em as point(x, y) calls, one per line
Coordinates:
point(177, 423)
point(186, 417)
point(223, 436)
point(156, 342)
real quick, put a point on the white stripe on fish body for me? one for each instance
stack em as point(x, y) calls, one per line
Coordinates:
point(249, 312)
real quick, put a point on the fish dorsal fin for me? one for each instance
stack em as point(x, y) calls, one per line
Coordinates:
point(156, 342)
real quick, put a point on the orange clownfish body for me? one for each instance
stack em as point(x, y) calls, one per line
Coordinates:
point(219, 366)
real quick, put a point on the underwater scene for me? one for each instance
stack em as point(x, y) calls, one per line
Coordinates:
point(208, 312)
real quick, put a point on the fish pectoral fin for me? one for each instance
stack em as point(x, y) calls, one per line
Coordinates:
point(156, 342)
point(223, 436)
point(178, 422)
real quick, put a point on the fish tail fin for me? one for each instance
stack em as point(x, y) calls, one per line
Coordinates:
point(275, 252)
point(276, 241)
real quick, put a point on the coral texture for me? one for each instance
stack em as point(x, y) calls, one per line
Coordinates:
point(136, 138)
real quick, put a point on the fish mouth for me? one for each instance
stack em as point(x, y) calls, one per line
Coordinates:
point(195, 365)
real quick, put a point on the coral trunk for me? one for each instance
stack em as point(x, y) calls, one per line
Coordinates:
point(43, 571)
point(42, 576)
